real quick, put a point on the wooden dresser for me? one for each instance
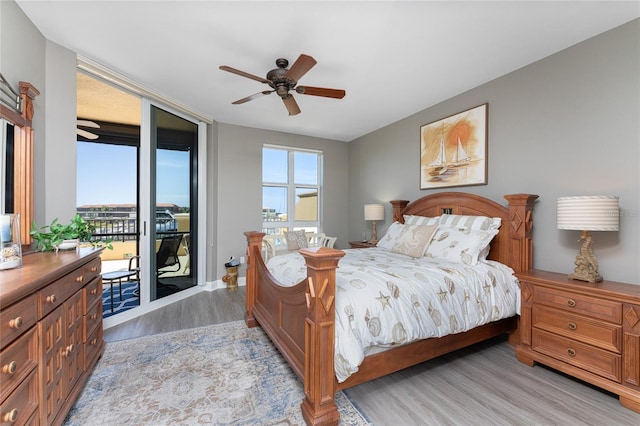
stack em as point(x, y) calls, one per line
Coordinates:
point(588, 330)
point(50, 334)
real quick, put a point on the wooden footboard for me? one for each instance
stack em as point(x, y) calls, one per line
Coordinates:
point(300, 320)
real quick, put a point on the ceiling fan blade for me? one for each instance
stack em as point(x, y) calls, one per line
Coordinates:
point(87, 135)
point(244, 74)
point(300, 67)
point(87, 123)
point(252, 97)
point(321, 91)
point(291, 105)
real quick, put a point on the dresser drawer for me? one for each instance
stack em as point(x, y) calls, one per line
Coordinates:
point(92, 319)
point(18, 318)
point(91, 270)
point(593, 332)
point(590, 306)
point(18, 409)
point(93, 348)
point(92, 293)
point(595, 360)
point(17, 361)
point(53, 295)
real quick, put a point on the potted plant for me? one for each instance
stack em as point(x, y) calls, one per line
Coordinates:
point(57, 236)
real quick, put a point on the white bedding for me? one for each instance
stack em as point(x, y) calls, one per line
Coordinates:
point(385, 299)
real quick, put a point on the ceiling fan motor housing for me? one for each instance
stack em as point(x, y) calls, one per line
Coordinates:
point(281, 84)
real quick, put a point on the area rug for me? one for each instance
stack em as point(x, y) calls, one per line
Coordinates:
point(224, 374)
point(129, 299)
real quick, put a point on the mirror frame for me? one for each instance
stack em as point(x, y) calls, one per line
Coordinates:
point(23, 157)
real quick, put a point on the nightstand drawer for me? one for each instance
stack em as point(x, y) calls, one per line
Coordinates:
point(590, 306)
point(593, 332)
point(595, 360)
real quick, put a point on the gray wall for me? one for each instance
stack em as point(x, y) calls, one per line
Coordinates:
point(239, 168)
point(565, 125)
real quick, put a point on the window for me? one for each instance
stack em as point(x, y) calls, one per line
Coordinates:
point(291, 189)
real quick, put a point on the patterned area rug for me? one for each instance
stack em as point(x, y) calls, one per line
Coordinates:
point(129, 299)
point(224, 374)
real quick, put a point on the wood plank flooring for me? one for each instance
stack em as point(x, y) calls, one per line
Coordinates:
point(481, 385)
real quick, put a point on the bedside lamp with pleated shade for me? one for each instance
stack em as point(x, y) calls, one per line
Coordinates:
point(588, 213)
point(373, 212)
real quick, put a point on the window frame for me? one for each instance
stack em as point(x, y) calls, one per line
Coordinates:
point(273, 227)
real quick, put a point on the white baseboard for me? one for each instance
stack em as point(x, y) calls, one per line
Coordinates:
point(219, 284)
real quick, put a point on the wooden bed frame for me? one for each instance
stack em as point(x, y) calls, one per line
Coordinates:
point(300, 319)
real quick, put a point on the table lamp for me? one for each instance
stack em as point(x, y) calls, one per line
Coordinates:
point(588, 213)
point(373, 212)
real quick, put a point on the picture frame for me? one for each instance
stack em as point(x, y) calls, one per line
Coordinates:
point(453, 150)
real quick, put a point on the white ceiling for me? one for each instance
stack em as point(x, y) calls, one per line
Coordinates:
point(393, 58)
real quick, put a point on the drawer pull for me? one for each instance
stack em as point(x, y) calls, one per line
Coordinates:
point(69, 350)
point(93, 342)
point(571, 303)
point(10, 368)
point(79, 278)
point(11, 416)
point(15, 323)
point(94, 269)
point(572, 326)
point(93, 317)
point(94, 291)
point(571, 352)
point(51, 299)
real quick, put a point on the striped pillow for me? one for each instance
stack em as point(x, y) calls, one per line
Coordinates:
point(473, 223)
point(420, 220)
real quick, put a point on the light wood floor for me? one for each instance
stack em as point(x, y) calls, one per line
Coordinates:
point(482, 385)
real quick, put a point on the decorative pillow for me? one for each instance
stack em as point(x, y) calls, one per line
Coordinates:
point(414, 240)
point(387, 242)
point(459, 245)
point(296, 240)
point(420, 220)
point(475, 223)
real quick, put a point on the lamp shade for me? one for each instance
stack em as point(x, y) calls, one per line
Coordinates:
point(373, 212)
point(589, 213)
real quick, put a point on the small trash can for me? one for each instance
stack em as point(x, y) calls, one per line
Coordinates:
point(232, 274)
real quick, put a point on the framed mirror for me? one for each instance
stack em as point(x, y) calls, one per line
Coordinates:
point(16, 114)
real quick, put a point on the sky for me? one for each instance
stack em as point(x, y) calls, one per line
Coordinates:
point(106, 174)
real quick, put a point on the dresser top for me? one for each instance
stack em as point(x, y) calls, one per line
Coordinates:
point(40, 269)
point(631, 292)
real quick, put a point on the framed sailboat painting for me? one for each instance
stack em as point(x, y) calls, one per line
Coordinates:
point(453, 150)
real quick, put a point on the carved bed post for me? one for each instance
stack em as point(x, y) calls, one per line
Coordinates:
point(520, 219)
point(254, 248)
point(318, 406)
point(398, 206)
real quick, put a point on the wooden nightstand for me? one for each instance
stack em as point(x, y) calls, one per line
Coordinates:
point(361, 244)
point(588, 330)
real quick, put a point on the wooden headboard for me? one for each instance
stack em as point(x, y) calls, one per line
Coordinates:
point(513, 245)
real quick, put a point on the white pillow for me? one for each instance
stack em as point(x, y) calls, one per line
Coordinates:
point(414, 240)
point(387, 242)
point(475, 223)
point(296, 239)
point(459, 245)
point(420, 220)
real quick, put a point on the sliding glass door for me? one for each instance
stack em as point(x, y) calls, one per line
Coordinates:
point(174, 196)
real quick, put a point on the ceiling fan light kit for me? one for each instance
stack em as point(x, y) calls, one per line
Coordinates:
point(283, 80)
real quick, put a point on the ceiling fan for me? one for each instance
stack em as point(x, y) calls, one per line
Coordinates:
point(283, 80)
point(85, 133)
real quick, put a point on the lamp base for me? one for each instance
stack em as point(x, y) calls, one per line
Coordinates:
point(586, 263)
point(592, 277)
point(374, 234)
